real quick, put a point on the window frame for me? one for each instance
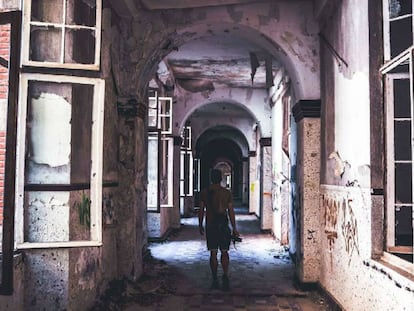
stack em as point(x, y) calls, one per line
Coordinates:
point(386, 28)
point(388, 77)
point(160, 109)
point(155, 136)
point(27, 23)
point(168, 154)
point(96, 161)
point(165, 103)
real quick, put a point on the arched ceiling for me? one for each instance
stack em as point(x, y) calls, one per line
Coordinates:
point(229, 135)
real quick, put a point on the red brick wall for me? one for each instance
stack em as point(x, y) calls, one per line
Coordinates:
point(4, 52)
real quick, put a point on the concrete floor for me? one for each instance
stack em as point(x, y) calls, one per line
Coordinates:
point(177, 277)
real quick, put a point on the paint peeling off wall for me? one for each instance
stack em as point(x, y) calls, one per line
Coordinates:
point(51, 115)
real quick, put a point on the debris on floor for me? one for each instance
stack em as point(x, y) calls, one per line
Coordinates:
point(157, 280)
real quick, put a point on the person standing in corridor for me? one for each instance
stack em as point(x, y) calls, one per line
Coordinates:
point(216, 203)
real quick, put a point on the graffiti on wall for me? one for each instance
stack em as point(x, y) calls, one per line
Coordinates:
point(349, 228)
point(331, 207)
point(340, 220)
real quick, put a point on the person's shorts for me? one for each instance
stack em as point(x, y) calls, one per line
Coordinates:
point(218, 237)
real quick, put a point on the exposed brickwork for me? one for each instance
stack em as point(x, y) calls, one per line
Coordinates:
point(4, 53)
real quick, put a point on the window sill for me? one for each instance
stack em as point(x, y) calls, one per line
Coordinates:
point(397, 270)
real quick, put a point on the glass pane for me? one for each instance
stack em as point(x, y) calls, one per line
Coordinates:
point(400, 7)
point(45, 44)
point(402, 140)
point(81, 12)
point(404, 226)
point(402, 98)
point(403, 188)
point(49, 11)
point(80, 46)
point(401, 35)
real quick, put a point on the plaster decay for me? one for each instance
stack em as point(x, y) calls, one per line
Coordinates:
point(327, 210)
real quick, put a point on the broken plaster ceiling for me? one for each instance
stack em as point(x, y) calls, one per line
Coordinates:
point(222, 60)
point(179, 4)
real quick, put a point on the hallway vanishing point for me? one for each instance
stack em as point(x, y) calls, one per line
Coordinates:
point(177, 275)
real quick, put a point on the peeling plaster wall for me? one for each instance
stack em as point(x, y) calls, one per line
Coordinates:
point(347, 217)
point(153, 34)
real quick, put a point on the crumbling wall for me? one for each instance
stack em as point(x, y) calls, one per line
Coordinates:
point(348, 271)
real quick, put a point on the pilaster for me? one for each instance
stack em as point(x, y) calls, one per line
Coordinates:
point(307, 117)
point(266, 184)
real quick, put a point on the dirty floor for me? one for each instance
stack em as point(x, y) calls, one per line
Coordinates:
point(177, 276)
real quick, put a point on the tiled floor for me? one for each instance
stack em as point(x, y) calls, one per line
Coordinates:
point(261, 274)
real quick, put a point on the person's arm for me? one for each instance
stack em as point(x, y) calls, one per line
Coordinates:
point(232, 219)
point(201, 217)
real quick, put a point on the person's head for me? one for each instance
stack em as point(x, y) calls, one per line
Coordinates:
point(216, 176)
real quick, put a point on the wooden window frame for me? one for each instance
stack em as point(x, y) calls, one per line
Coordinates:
point(96, 161)
point(27, 23)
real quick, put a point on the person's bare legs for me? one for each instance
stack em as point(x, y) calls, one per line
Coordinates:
point(225, 265)
point(213, 267)
point(225, 261)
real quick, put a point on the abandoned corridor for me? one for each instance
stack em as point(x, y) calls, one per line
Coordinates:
point(177, 275)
